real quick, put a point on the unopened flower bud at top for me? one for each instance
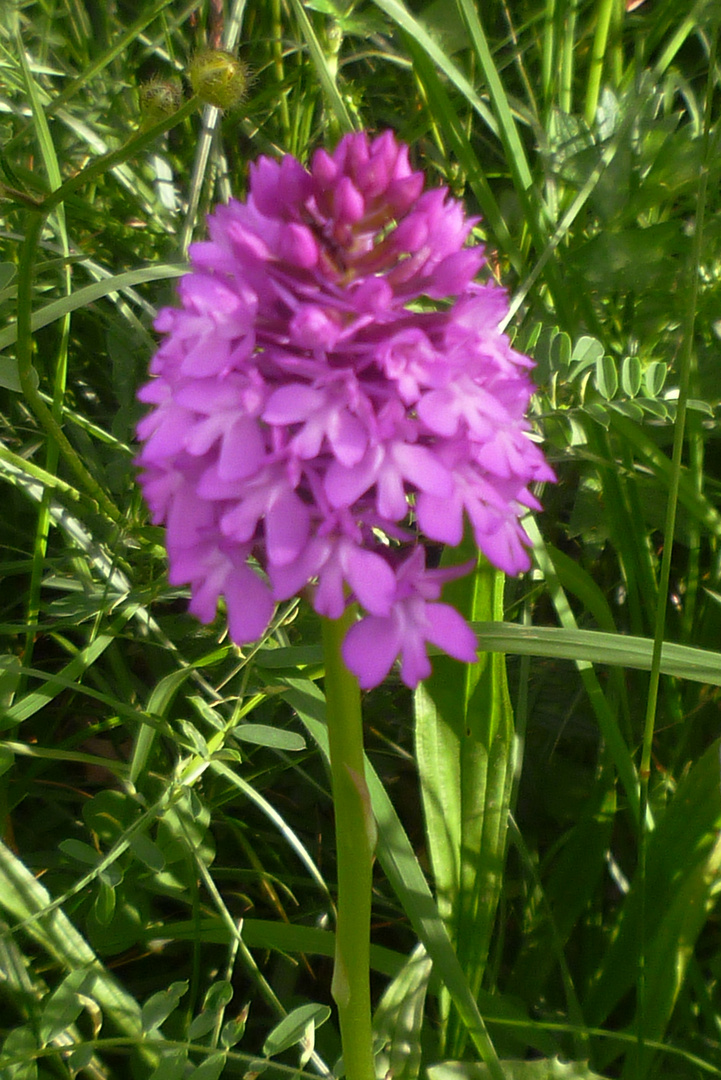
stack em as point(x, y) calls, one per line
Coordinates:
point(219, 78)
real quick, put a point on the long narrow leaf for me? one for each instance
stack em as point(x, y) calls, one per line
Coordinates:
point(89, 293)
point(325, 76)
point(464, 749)
point(400, 15)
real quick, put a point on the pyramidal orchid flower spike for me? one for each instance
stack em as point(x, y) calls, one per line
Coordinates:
point(333, 387)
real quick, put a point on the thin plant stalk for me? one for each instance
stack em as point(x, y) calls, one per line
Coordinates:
point(670, 525)
point(355, 845)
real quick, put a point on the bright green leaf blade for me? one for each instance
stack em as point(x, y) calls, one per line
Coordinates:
point(515, 1070)
point(464, 748)
point(273, 737)
point(158, 1007)
point(594, 646)
point(400, 15)
point(292, 1028)
point(89, 293)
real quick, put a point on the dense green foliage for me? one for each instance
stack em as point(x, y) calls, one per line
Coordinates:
point(167, 865)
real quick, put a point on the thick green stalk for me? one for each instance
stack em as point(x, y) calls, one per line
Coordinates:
point(600, 41)
point(355, 843)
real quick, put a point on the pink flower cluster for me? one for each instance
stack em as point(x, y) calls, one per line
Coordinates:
point(317, 401)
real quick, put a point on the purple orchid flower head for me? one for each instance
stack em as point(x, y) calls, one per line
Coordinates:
point(333, 383)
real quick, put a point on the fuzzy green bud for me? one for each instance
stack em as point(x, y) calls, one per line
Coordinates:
point(159, 98)
point(218, 78)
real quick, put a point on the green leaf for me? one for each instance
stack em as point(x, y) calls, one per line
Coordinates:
point(683, 862)
point(109, 814)
point(158, 1007)
point(654, 407)
point(80, 851)
point(683, 661)
point(104, 906)
point(547, 1069)
point(201, 1025)
point(211, 1068)
point(172, 1065)
point(20, 1044)
point(7, 273)
point(398, 1018)
point(399, 862)
point(631, 375)
point(399, 13)
point(80, 298)
point(218, 996)
point(80, 1057)
point(293, 1028)
point(158, 705)
point(561, 351)
point(508, 131)
point(9, 679)
point(700, 406)
point(273, 737)
point(148, 852)
point(194, 739)
point(326, 76)
point(10, 375)
point(586, 352)
point(599, 413)
point(292, 657)
point(654, 377)
point(29, 901)
point(628, 408)
point(63, 1007)
point(183, 830)
point(232, 1033)
point(606, 377)
point(464, 745)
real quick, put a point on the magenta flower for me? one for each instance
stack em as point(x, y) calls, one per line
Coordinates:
point(312, 410)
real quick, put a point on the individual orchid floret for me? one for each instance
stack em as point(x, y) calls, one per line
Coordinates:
point(414, 618)
point(314, 406)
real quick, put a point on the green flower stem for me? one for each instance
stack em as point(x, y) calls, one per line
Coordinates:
point(355, 843)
